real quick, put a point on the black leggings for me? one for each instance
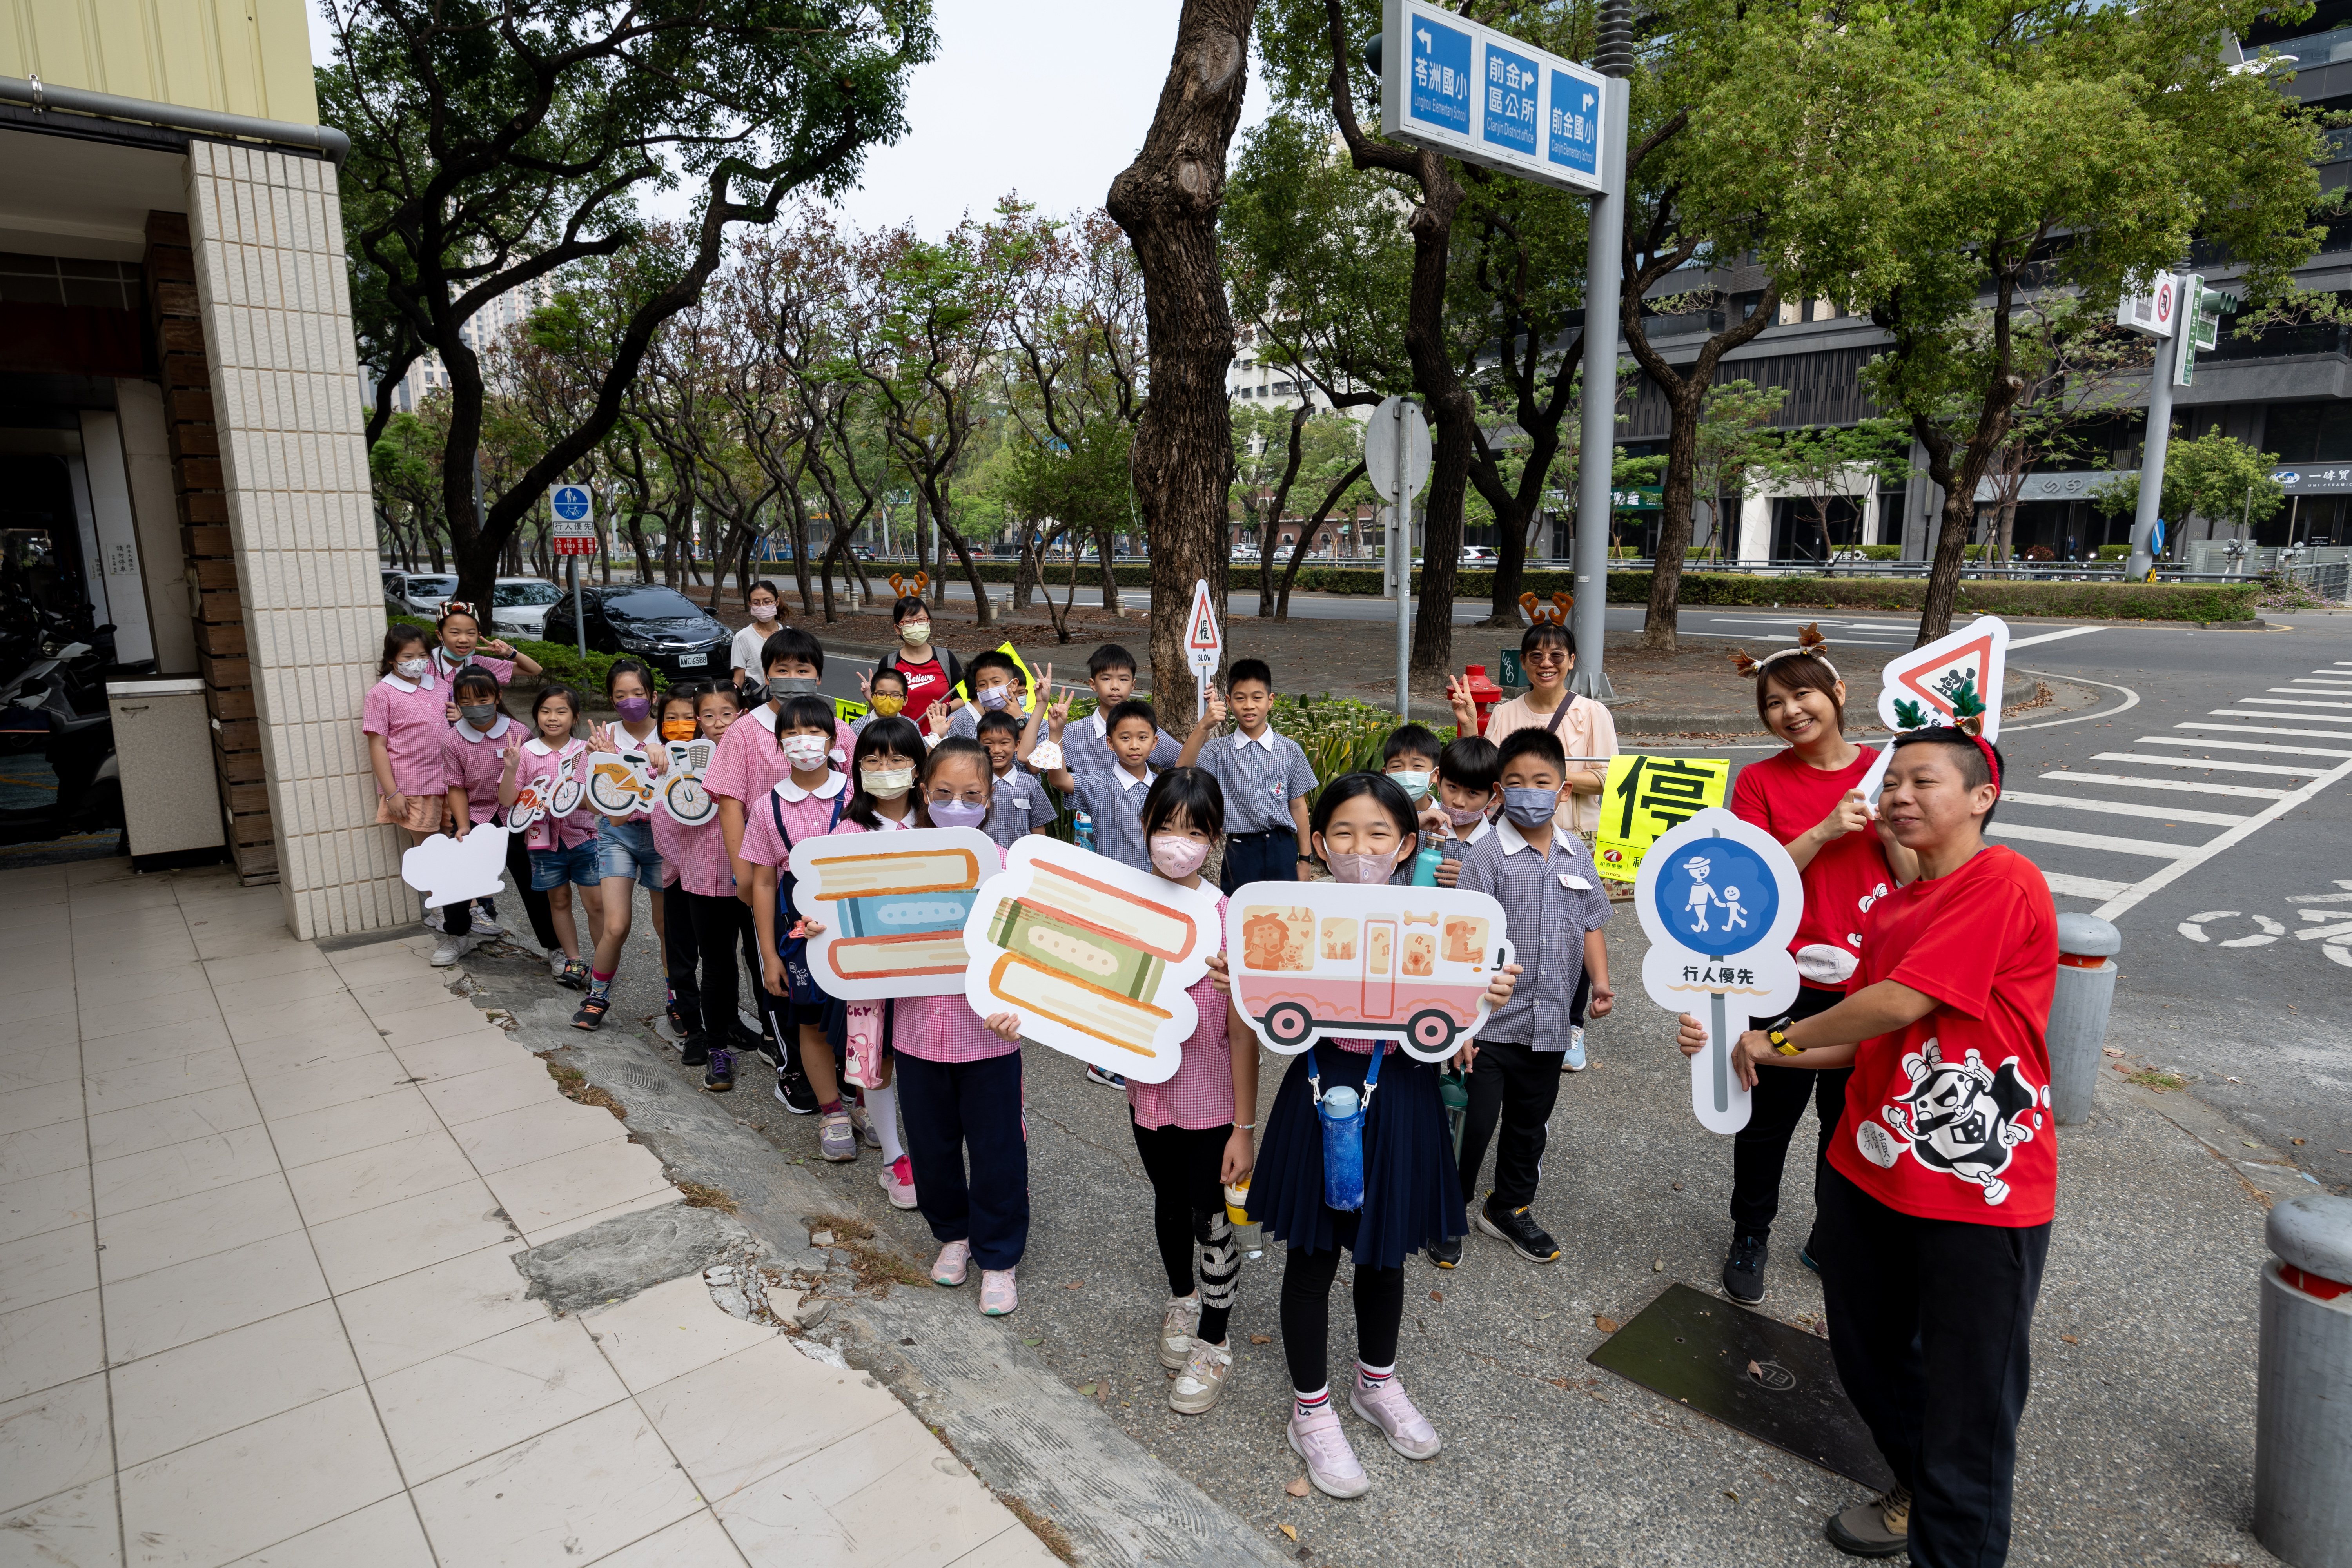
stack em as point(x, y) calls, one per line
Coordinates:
point(1760, 1151)
point(1188, 1205)
point(1307, 1280)
point(714, 928)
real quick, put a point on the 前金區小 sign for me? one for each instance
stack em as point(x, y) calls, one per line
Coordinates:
point(1486, 98)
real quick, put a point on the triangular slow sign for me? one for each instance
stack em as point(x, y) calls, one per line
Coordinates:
point(1975, 657)
point(1204, 643)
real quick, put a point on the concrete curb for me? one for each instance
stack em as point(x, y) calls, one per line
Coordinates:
point(1025, 1432)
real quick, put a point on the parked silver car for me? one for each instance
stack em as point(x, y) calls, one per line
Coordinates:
point(418, 593)
point(519, 607)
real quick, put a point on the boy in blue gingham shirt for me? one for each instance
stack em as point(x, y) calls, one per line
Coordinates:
point(1266, 779)
point(1554, 907)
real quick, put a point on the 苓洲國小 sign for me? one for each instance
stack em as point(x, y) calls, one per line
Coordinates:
point(1486, 98)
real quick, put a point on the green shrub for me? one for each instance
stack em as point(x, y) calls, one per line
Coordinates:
point(559, 662)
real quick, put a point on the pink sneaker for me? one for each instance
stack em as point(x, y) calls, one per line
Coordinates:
point(1406, 1429)
point(997, 1295)
point(898, 1181)
point(947, 1268)
point(1331, 1464)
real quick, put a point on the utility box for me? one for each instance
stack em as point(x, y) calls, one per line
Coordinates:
point(164, 748)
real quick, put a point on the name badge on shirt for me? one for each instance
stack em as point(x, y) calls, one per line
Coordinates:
point(1569, 879)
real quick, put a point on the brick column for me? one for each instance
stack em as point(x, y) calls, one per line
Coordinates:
point(266, 237)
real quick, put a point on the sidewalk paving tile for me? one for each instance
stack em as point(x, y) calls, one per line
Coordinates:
point(536, 1132)
point(197, 1226)
point(23, 1109)
point(580, 1492)
point(371, 1178)
point(124, 1087)
point(557, 1230)
point(38, 1150)
point(546, 1193)
point(38, 1067)
point(53, 1441)
point(265, 992)
point(162, 1122)
point(151, 980)
point(263, 1021)
point(54, 1342)
point(355, 1124)
point(323, 1084)
point(287, 959)
point(491, 1091)
point(454, 1055)
point(668, 1332)
point(177, 1170)
point(166, 1402)
point(187, 1003)
point(379, 1243)
point(697, 1541)
point(245, 1490)
point(287, 1052)
point(78, 1529)
point(187, 1302)
point(381, 1535)
point(468, 1403)
point(171, 1041)
point(722, 1418)
point(43, 1267)
point(441, 1307)
point(41, 1204)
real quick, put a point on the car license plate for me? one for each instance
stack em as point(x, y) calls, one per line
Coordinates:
point(692, 661)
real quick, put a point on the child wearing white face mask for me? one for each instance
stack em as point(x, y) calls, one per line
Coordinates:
point(1364, 828)
point(403, 721)
point(764, 600)
point(1193, 1132)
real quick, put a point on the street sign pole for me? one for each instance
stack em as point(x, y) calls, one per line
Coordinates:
point(1402, 514)
point(2161, 370)
point(579, 619)
point(1597, 446)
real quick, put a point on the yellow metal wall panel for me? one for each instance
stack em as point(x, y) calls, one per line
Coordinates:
point(238, 57)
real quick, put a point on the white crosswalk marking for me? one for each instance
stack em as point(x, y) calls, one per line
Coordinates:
point(2091, 840)
point(2264, 730)
point(2181, 785)
point(2084, 887)
point(2236, 745)
point(2054, 637)
point(2298, 718)
point(2124, 808)
point(2296, 702)
point(2210, 764)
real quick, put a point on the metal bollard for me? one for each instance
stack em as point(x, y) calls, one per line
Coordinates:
point(2078, 1012)
point(2303, 1414)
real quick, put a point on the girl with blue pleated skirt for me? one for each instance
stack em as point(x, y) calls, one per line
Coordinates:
point(1318, 1194)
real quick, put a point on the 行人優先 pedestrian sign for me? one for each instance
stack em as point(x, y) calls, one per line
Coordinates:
point(1956, 677)
point(1484, 97)
point(574, 511)
point(1645, 797)
point(1719, 900)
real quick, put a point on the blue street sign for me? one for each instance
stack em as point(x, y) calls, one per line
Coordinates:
point(1716, 895)
point(571, 502)
point(1441, 74)
point(1572, 139)
point(1511, 92)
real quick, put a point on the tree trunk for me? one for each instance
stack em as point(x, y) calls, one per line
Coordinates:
point(1167, 202)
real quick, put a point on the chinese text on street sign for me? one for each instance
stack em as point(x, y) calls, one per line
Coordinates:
point(1486, 98)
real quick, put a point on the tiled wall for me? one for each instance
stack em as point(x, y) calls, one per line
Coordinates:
point(268, 247)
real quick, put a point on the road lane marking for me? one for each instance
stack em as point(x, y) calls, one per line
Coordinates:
point(2265, 730)
point(2266, 713)
point(2300, 699)
point(2054, 637)
point(2084, 887)
point(2125, 808)
point(2193, 928)
point(2211, 765)
point(2149, 847)
point(2229, 840)
point(2130, 701)
point(2252, 791)
point(2276, 750)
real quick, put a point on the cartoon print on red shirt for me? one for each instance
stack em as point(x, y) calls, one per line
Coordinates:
point(1959, 1118)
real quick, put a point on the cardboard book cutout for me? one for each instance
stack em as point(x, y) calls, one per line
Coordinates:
point(1313, 961)
point(893, 906)
point(1094, 955)
point(451, 870)
point(1955, 680)
point(1719, 900)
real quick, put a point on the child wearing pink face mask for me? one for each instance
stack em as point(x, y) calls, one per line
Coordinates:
point(1193, 1132)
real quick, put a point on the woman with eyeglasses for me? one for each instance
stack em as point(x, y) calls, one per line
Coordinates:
point(1547, 653)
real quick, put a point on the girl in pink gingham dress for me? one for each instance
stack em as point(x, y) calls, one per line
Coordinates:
point(1193, 1130)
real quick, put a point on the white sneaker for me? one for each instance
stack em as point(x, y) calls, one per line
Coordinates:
point(433, 918)
point(555, 963)
point(485, 928)
point(1573, 1059)
point(450, 948)
point(1196, 1388)
point(1176, 1333)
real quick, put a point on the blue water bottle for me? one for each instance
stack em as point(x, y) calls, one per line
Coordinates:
point(1082, 831)
point(1425, 865)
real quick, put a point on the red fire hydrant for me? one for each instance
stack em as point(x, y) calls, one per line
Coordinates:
point(1484, 693)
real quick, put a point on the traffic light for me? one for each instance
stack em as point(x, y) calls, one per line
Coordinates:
point(2202, 328)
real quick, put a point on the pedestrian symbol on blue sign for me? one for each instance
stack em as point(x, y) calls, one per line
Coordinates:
point(1572, 135)
point(1510, 118)
point(1716, 896)
point(1441, 75)
point(571, 502)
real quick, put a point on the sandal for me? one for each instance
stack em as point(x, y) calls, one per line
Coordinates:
point(592, 1012)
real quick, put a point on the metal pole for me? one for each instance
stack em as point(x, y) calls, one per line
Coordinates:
point(579, 616)
point(1597, 445)
point(2159, 435)
point(1401, 516)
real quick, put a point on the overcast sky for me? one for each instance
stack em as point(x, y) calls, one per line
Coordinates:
point(1051, 98)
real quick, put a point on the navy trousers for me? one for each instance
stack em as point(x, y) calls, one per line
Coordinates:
point(1271, 857)
point(955, 1111)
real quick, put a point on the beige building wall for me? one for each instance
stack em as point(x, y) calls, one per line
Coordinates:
point(235, 57)
point(268, 238)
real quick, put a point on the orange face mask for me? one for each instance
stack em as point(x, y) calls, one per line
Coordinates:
point(679, 730)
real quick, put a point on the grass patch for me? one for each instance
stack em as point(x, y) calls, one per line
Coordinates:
point(698, 1196)
point(877, 1266)
point(844, 1226)
point(1055, 1539)
point(574, 1086)
point(2162, 1082)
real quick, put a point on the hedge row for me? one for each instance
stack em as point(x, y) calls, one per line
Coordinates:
point(2080, 601)
point(559, 662)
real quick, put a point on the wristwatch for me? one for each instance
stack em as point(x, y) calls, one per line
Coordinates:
point(1780, 1043)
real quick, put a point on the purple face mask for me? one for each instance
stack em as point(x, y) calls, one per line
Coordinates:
point(633, 710)
point(957, 814)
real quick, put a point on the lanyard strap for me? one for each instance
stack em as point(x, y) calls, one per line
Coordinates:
point(1371, 1076)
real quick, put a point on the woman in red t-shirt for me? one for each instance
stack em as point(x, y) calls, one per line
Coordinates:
point(1934, 1210)
point(932, 673)
point(1804, 797)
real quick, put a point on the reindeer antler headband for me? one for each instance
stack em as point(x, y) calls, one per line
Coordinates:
point(1809, 644)
point(1557, 615)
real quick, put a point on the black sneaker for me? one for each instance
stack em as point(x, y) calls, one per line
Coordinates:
point(793, 1093)
point(695, 1050)
point(1446, 1253)
point(1518, 1227)
point(1108, 1079)
point(682, 1021)
point(720, 1076)
point(1805, 1253)
point(1880, 1528)
point(1743, 1271)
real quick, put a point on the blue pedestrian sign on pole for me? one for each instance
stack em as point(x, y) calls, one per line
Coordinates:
point(1719, 900)
point(571, 502)
point(1487, 98)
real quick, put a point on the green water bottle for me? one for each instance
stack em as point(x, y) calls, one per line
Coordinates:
point(1453, 1094)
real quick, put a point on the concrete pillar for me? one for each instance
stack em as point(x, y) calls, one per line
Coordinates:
point(267, 233)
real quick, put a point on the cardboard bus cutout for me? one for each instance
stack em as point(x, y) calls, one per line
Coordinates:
point(1093, 955)
point(451, 870)
point(1322, 960)
point(1719, 900)
point(683, 799)
point(1955, 680)
point(893, 906)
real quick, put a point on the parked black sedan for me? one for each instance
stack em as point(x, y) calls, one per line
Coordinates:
point(657, 625)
